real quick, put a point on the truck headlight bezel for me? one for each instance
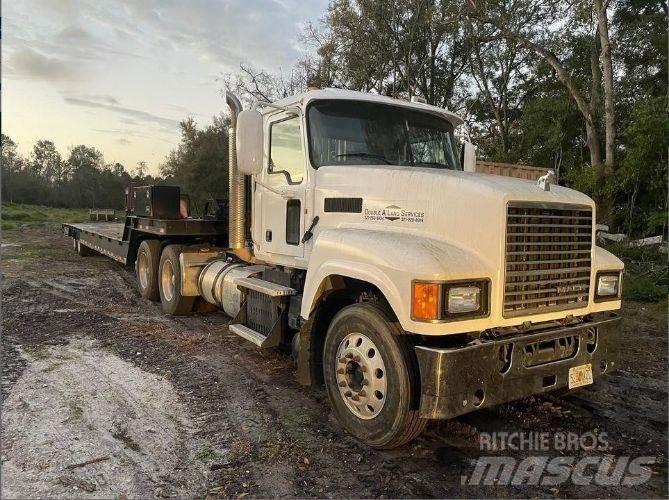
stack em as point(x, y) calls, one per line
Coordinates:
point(603, 297)
point(463, 299)
point(442, 289)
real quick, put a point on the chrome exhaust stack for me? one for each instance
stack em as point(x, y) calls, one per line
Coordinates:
point(236, 188)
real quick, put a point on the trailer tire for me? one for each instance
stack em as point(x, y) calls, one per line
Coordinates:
point(377, 361)
point(169, 283)
point(146, 269)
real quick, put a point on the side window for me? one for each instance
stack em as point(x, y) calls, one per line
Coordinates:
point(285, 154)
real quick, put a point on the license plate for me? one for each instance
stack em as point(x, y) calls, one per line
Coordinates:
point(580, 375)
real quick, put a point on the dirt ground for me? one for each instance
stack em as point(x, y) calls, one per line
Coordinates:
point(103, 396)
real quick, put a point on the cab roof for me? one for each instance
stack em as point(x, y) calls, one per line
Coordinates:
point(304, 98)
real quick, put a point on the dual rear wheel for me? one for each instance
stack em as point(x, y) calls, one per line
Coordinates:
point(159, 277)
point(369, 364)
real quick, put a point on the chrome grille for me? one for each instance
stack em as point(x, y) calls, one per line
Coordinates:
point(548, 250)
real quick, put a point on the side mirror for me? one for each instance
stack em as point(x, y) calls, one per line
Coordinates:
point(468, 157)
point(249, 142)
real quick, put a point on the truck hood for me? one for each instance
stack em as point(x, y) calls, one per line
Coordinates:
point(465, 209)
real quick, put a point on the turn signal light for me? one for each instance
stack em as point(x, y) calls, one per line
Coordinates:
point(425, 301)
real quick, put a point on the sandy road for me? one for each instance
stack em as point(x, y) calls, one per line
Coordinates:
point(179, 407)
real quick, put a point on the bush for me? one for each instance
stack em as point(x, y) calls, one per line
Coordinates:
point(642, 289)
point(646, 277)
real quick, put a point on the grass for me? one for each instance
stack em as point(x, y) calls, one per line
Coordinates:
point(646, 277)
point(207, 454)
point(39, 352)
point(296, 426)
point(14, 215)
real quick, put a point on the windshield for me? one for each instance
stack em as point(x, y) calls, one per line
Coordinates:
point(354, 133)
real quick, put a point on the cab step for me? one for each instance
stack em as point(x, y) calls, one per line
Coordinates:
point(262, 318)
point(251, 335)
point(265, 287)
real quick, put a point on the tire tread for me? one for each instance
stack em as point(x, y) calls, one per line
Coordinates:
point(412, 424)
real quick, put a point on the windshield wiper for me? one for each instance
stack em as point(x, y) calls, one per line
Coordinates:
point(363, 154)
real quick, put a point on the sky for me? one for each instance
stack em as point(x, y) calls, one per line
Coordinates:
point(119, 75)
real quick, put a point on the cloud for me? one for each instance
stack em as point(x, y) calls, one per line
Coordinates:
point(28, 63)
point(227, 33)
point(91, 35)
point(105, 99)
point(115, 108)
point(122, 134)
point(123, 141)
point(75, 34)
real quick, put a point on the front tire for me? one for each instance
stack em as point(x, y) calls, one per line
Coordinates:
point(169, 283)
point(371, 376)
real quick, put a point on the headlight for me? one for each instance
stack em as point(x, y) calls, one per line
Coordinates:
point(608, 285)
point(437, 301)
point(463, 299)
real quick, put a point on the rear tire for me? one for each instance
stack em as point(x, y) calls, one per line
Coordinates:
point(367, 356)
point(146, 269)
point(169, 283)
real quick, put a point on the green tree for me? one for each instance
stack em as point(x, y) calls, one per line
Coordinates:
point(46, 161)
point(199, 165)
point(640, 186)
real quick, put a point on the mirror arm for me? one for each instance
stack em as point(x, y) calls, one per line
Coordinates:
point(294, 110)
point(286, 195)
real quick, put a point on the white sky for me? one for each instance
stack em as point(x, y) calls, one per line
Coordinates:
point(119, 75)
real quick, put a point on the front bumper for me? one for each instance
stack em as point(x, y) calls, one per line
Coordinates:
point(455, 381)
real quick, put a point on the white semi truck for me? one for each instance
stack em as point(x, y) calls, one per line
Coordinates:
point(358, 233)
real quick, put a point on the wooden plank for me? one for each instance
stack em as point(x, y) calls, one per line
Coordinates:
point(510, 170)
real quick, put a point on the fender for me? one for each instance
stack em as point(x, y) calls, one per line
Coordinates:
point(603, 260)
point(389, 260)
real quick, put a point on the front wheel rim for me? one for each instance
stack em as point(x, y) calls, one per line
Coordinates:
point(361, 376)
point(167, 280)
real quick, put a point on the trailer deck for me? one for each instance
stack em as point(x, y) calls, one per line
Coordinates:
point(103, 237)
point(119, 241)
point(112, 230)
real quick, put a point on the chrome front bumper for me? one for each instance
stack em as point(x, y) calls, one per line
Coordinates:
point(455, 381)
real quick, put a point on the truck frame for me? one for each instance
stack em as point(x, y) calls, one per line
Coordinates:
point(359, 234)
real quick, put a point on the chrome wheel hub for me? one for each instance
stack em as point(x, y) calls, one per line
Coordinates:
point(167, 280)
point(361, 375)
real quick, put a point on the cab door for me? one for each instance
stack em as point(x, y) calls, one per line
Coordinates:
point(282, 190)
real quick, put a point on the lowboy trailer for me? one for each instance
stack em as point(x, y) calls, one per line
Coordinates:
point(359, 234)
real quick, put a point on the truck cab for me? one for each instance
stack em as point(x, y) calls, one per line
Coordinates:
point(412, 286)
point(495, 284)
